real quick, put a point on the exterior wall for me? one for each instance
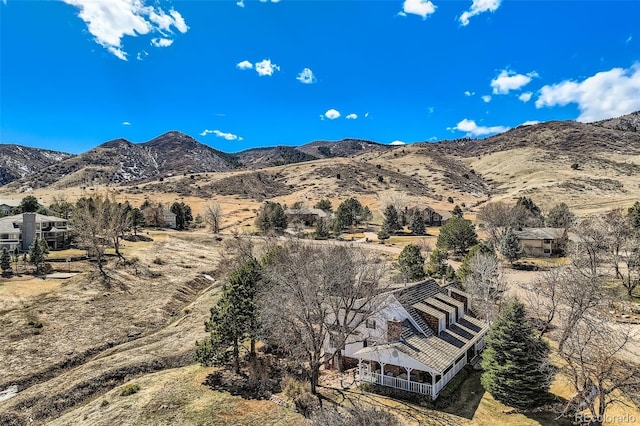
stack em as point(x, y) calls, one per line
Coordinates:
point(537, 248)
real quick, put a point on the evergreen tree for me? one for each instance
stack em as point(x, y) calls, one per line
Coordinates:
point(383, 234)
point(183, 214)
point(457, 235)
point(271, 217)
point(533, 214)
point(560, 217)
point(465, 267)
point(438, 266)
point(417, 225)
point(391, 223)
point(348, 214)
point(5, 261)
point(411, 263)
point(324, 204)
point(634, 215)
point(136, 217)
point(29, 204)
point(457, 211)
point(38, 252)
point(322, 229)
point(233, 320)
point(510, 246)
point(515, 360)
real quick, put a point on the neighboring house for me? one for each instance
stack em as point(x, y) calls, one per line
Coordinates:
point(7, 206)
point(542, 242)
point(419, 340)
point(22, 229)
point(305, 215)
point(169, 218)
point(435, 218)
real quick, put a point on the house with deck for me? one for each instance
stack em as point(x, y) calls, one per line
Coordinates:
point(542, 242)
point(22, 229)
point(420, 338)
point(305, 215)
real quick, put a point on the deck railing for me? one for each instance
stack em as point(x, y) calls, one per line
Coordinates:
point(396, 382)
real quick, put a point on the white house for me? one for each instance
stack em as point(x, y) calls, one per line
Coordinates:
point(422, 336)
point(22, 229)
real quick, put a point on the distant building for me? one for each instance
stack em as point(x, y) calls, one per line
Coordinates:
point(305, 215)
point(542, 242)
point(169, 218)
point(22, 229)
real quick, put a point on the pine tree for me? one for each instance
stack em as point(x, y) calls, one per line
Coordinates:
point(322, 229)
point(38, 252)
point(233, 320)
point(560, 216)
point(515, 360)
point(391, 223)
point(417, 225)
point(457, 212)
point(136, 217)
point(510, 246)
point(411, 262)
point(5, 261)
point(457, 235)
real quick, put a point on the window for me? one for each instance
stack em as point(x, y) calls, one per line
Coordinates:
point(371, 323)
point(365, 343)
point(547, 251)
point(548, 241)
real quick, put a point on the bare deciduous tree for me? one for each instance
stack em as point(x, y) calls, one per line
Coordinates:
point(486, 285)
point(97, 224)
point(316, 295)
point(590, 249)
point(213, 216)
point(498, 217)
point(594, 364)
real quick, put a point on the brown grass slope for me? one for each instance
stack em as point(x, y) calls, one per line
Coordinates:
point(259, 158)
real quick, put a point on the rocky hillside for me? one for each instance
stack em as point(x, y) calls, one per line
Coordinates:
point(120, 161)
point(627, 123)
point(20, 161)
point(342, 148)
point(258, 158)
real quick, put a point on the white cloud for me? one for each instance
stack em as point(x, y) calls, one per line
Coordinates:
point(352, 117)
point(478, 7)
point(468, 93)
point(218, 133)
point(525, 97)
point(244, 65)
point(240, 3)
point(472, 129)
point(398, 143)
point(332, 114)
point(422, 8)
point(402, 14)
point(431, 110)
point(604, 95)
point(366, 114)
point(139, 56)
point(265, 67)
point(509, 80)
point(629, 39)
point(433, 139)
point(486, 98)
point(161, 42)
point(110, 20)
point(306, 76)
point(530, 123)
point(126, 123)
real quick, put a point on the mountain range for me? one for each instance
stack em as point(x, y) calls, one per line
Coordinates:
point(120, 162)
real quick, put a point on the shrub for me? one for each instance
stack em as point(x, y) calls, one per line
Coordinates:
point(299, 393)
point(158, 261)
point(575, 166)
point(450, 199)
point(130, 389)
point(104, 403)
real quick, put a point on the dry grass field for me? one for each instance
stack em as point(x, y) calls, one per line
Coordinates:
point(72, 344)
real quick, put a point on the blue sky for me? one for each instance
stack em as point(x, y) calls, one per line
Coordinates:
point(235, 75)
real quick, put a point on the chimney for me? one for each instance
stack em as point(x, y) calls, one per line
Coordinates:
point(434, 323)
point(394, 329)
point(460, 297)
point(28, 230)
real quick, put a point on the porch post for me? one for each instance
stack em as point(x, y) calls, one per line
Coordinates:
point(360, 369)
point(382, 364)
point(433, 385)
point(409, 370)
